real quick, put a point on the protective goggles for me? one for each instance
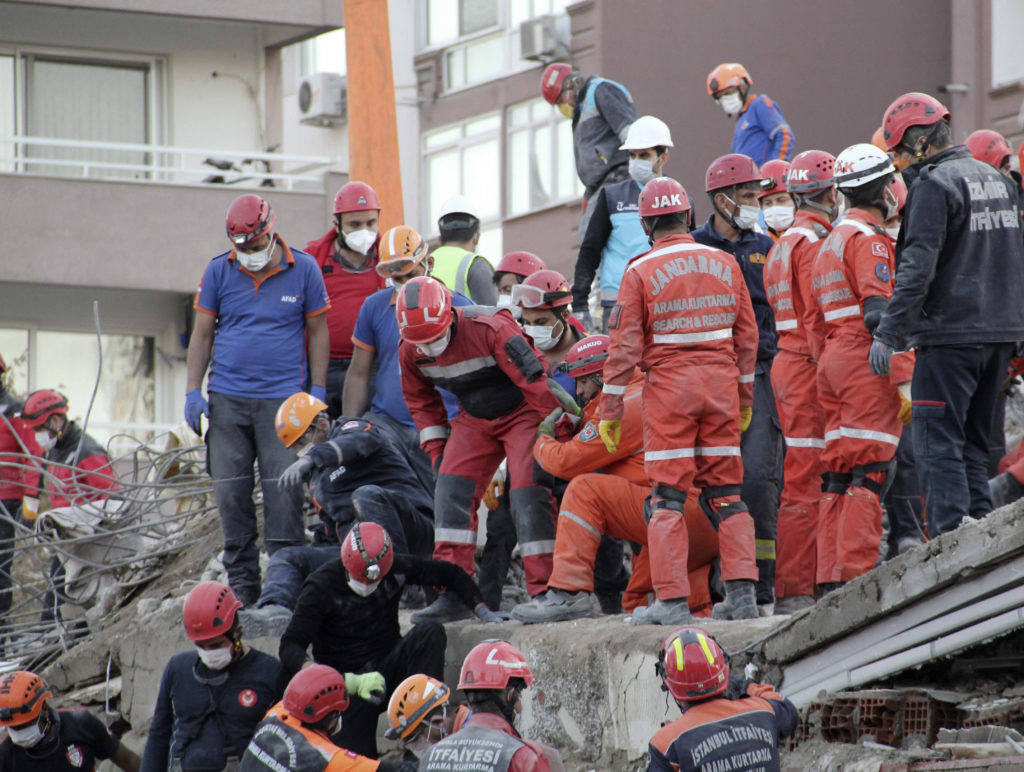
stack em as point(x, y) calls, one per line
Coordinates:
point(533, 297)
point(398, 266)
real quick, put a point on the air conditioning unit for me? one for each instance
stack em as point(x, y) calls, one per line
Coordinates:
point(544, 38)
point(323, 99)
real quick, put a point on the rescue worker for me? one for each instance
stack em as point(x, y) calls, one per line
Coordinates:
point(267, 305)
point(457, 264)
point(298, 733)
point(211, 698)
point(347, 257)
point(601, 111)
point(482, 357)
point(684, 316)
point(990, 147)
point(605, 496)
point(761, 130)
point(543, 299)
point(614, 235)
point(348, 611)
point(852, 281)
point(794, 374)
point(421, 713)
point(732, 184)
point(777, 206)
point(511, 270)
point(960, 220)
point(728, 722)
point(493, 678)
point(40, 737)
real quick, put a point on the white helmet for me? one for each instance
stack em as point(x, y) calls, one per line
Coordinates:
point(458, 204)
point(647, 131)
point(861, 163)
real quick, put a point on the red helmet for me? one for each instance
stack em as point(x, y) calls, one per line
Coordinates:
point(491, 664)
point(811, 172)
point(520, 263)
point(729, 170)
point(899, 188)
point(989, 146)
point(42, 404)
point(774, 181)
point(209, 611)
point(315, 692)
point(913, 109)
point(248, 218)
point(587, 356)
point(662, 195)
point(356, 197)
point(552, 80)
point(692, 665)
point(728, 75)
point(22, 697)
point(423, 310)
point(367, 553)
point(542, 290)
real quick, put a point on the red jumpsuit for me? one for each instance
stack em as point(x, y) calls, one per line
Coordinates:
point(606, 495)
point(684, 315)
point(500, 380)
point(862, 429)
point(787, 278)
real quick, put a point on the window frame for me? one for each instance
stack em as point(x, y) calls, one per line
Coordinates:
point(530, 127)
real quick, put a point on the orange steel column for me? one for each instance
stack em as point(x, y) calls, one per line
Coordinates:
point(372, 124)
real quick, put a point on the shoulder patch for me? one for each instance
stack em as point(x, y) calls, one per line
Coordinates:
point(879, 250)
point(588, 433)
point(882, 271)
point(350, 425)
point(613, 316)
point(757, 257)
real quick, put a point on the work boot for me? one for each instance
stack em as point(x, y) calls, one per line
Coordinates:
point(907, 543)
point(447, 608)
point(826, 587)
point(413, 597)
point(555, 606)
point(1004, 489)
point(265, 621)
point(740, 601)
point(610, 602)
point(674, 611)
point(793, 603)
point(766, 609)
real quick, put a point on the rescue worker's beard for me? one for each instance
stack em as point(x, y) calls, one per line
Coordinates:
point(830, 212)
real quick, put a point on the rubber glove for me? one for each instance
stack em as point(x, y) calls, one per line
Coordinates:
point(547, 426)
point(492, 493)
point(318, 392)
point(484, 614)
point(295, 473)
point(878, 357)
point(368, 686)
point(29, 509)
point(906, 403)
point(565, 399)
point(195, 407)
point(746, 413)
point(611, 433)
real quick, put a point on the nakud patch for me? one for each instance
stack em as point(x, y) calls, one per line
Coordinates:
point(882, 271)
point(613, 317)
point(878, 249)
point(588, 433)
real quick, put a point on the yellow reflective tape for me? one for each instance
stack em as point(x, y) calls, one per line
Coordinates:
point(678, 646)
point(707, 649)
point(764, 549)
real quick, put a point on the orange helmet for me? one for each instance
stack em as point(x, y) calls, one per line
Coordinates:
point(553, 79)
point(414, 698)
point(878, 138)
point(692, 665)
point(295, 415)
point(728, 75)
point(774, 173)
point(22, 697)
point(990, 146)
point(401, 249)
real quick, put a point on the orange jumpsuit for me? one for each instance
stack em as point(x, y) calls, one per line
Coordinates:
point(684, 315)
point(862, 429)
point(606, 495)
point(787, 278)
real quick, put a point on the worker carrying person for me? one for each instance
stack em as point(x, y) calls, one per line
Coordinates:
point(421, 713)
point(684, 316)
point(457, 264)
point(761, 130)
point(493, 678)
point(482, 356)
point(299, 732)
point(728, 722)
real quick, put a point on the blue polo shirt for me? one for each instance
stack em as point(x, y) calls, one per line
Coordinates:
point(259, 347)
point(377, 331)
point(762, 132)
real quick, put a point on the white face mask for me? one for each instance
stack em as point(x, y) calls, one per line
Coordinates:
point(46, 440)
point(254, 261)
point(746, 217)
point(779, 217)
point(641, 171)
point(894, 233)
point(892, 206)
point(731, 103)
point(435, 348)
point(216, 659)
point(543, 337)
point(26, 736)
point(360, 241)
point(361, 589)
point(504, 301)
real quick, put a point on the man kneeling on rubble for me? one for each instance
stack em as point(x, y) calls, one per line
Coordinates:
point(606, 495)
point(348, 610)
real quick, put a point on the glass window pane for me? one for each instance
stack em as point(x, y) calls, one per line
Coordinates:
point(442, 181)
point(455, 68)
point(490, 244)
point(519, 172)
point(481, 175)
point(518, 12)
point(542, 111)
point(483, 125)
point(542, 188)
point(485, 60)
point(441, 138)
point(518, 116)
point(476, 15)
point(7, 126)
point(14, 350)
point(442, 21)
point(559, 6)
point(330, 52)
point(569, 185)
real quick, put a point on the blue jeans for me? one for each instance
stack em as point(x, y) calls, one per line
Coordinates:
point(955, 391)
point(242, 432)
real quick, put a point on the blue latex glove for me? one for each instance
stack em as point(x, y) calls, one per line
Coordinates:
point(318, 392)
point(878, 357)
point(195, 408)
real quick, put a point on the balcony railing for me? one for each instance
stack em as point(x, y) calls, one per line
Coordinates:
point(161, 164)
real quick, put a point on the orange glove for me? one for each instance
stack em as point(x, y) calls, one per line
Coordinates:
point(906, 403)
point(746, 413)
point(492, 493)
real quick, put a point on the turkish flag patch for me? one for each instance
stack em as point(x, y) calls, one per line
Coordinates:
point(247, 698)
point(878, 249)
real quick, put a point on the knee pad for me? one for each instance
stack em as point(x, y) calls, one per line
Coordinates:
point(859, 477)
point(719, 501)
point(835, 482)
point(664, 497)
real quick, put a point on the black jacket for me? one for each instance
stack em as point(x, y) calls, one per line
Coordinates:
point(961, 258)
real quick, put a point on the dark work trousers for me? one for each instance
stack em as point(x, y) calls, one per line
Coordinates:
point(762, 449)
point(9, 515)
point(955, 391)
point(420, 651)
point(242, 432)
point(903, 501)
point(997, 440)
point(408, 440)
point(337, 369)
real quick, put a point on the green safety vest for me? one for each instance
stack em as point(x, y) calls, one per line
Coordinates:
point(451, 266)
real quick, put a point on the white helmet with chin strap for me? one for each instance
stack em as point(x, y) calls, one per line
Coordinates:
point(860, 164)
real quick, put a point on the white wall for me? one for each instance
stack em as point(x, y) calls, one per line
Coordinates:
point(1007, 32)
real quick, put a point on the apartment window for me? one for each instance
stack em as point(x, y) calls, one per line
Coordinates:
point(541, 167)
point(452, 19)
point(523, 10)
point(8, 124)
